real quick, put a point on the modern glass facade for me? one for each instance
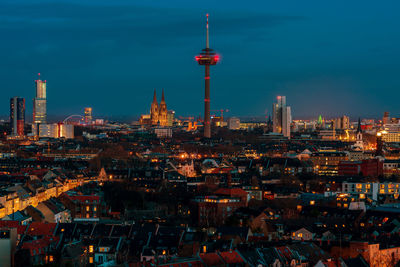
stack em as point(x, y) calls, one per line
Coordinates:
point(281, 117)
point(17, 116)
point(40, 103)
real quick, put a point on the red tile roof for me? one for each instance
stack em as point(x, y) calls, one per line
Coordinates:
point(284, 252)
point(21, 229)
point(212, 259)
point(231, 192)
point(231, 257)
point(39, 228)
point(9, 224)
point(40, 244)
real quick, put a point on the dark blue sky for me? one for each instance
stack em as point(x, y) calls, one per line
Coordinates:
point(327, 57)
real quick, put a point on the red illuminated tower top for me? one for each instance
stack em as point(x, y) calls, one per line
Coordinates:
point(207, 56)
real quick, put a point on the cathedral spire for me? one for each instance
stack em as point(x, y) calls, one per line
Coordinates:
point(154, 110)
point(155, 96)
point(162, 96)
point(359, 126)
point(162, 115)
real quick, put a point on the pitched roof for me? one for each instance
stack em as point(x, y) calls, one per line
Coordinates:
point(39, 244)
point(38, 228)
point(231, 257)
point(212, 259)
point(18, 216)
point(9, 224)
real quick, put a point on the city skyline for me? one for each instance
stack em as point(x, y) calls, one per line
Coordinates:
point(282, 52)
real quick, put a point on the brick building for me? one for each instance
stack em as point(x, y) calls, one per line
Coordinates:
point(215, 209)
point(366, 167)
point(82, 206)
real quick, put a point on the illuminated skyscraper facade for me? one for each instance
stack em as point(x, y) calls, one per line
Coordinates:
point(170, 117)
point(281, 117)
point(386, 118)
point(88, 115)
point(17, 116)
point(40, 103)
point(56, 130)
point(342, 123)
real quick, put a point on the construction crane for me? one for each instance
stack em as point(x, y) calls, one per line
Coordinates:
point(222, 112)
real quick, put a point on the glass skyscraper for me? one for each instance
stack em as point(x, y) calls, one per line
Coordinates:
point(281, 117)
point(17, 116)
point(39, 103)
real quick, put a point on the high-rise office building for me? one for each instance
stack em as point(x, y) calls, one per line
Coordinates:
point(281, 117)
point(170, 118)
point(39, 105)
point(17, 116)
point(88, 115)
point(342, 123)
point(386, 118)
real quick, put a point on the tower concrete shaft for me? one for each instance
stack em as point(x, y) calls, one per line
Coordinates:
point(207, 119)
point(207, 58)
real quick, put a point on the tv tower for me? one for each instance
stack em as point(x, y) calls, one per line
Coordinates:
point(207, 57)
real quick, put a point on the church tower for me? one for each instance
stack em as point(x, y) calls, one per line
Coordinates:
point(154, 110)
point(359, 145)
point(162, 115)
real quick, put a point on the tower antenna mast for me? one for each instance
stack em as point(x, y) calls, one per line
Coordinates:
point(207, 38)
point(207, 58)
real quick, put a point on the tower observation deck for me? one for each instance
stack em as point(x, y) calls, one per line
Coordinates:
point(206, 58)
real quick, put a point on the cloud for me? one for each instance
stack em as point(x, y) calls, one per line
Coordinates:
point(122, 22)
point(81, 34)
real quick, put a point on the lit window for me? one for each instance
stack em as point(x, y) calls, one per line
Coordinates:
point(87, 208)
point(90, 259)
point(95, 208)
point(91, 249)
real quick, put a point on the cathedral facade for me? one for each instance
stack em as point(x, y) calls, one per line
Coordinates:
point(158, 111)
